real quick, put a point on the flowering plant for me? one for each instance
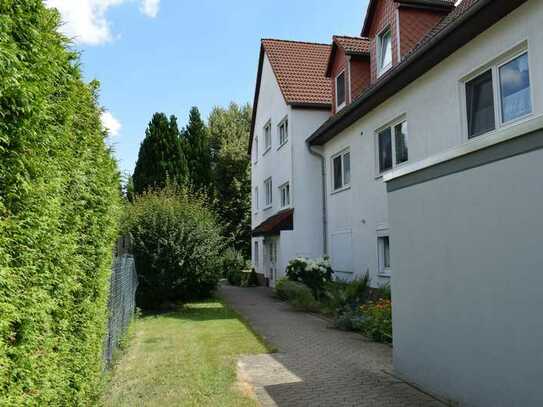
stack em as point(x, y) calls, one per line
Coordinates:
point(313, 273)
point(377, 320)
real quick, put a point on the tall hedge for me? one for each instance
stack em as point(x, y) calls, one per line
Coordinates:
point(59, 200)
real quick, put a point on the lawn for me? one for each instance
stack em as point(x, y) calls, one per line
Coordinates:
point(186, 358)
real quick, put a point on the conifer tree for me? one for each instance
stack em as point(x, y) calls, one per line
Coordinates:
point(195, 144)
point(161, 157)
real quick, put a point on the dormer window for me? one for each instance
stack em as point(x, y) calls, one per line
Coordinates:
point(384, 51)
point(340, 91)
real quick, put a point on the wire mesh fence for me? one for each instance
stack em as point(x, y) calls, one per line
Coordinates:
point(122, 298)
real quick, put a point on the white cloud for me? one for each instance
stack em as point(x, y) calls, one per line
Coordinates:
point(86, 20)
point(111, 124)
point(150, 7)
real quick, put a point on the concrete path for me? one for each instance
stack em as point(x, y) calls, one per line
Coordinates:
point(316, 365)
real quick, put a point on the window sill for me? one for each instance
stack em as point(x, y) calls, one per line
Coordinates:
point(340, 190)
point(266, 151)
point(267, 208)
point(341, 107)
point(282, 145)
point(385, 274)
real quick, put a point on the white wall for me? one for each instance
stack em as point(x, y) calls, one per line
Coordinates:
point(288, 163)
point(466, 303)
point(435, 115)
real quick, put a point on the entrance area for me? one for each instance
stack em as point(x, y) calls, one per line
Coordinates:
point(271, 247)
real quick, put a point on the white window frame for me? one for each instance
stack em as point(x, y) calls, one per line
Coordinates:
point(267, 137)
point(256, 200)
point(283, 125)
point(383, 270)
point(391, 125)
point(341, 106)
point(268, 193)
point(344, 186)
point(382, 69)
point(255, 159)
point(494, 66)
point(285, 192)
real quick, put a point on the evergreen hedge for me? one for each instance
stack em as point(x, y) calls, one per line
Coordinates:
point(59, 200)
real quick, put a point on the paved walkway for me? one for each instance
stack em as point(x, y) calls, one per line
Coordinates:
point(316, 365)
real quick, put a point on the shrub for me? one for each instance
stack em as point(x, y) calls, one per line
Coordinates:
point(313, 273)
point(59, 206)
point(296, 294)
point(377, 320)
point(233, 265)
point(341, 296)
point(177, 247)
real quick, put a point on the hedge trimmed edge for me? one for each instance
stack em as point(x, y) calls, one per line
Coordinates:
point(59, 201)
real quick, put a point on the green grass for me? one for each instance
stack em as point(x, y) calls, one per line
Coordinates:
point(185, 358)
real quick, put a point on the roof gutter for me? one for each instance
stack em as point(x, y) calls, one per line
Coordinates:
point(480, 17)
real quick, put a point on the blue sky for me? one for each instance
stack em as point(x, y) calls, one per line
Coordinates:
point(169, 55)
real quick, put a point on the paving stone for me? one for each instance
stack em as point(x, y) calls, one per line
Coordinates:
point(316, 365)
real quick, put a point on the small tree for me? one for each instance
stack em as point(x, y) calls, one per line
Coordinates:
point(177, 246)
point(161, 156)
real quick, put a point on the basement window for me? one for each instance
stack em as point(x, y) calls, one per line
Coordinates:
point(383, 252)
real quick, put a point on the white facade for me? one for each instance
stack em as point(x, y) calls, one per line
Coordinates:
point(433, 107)
point(289, 163)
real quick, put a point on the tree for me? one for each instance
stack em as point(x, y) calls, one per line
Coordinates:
point(161, 156)
point(229, 137)
point(195, 142)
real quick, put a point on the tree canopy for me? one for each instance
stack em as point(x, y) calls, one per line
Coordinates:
point(161, 156)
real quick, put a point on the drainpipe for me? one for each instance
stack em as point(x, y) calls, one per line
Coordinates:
point(324, 210)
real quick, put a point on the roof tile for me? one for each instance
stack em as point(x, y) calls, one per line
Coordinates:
point(300, 70)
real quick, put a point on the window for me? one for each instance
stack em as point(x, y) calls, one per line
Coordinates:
point(341, 170)
point(256, 256)
point(340, 90)
point(392, 146)
point(269, 192)
point(512, 92)
point(256, 150)
point(284, 191)
point(283, 132)
point(480, 101)
point(383, 251)
point(267, 137)
point(256, 203)
point(515, 89)
point(384, 51)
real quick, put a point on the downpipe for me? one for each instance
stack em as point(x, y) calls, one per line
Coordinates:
point(324, 208)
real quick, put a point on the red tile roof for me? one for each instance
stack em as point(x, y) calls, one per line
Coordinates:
point(353, 45)
point(299, 68)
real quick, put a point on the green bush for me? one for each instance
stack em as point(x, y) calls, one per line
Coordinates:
point(177, 247)
point(377, 320)
point(233, 264)
point(313, 273)
point(59, 206)
point(296, 294)
point(341, 296)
